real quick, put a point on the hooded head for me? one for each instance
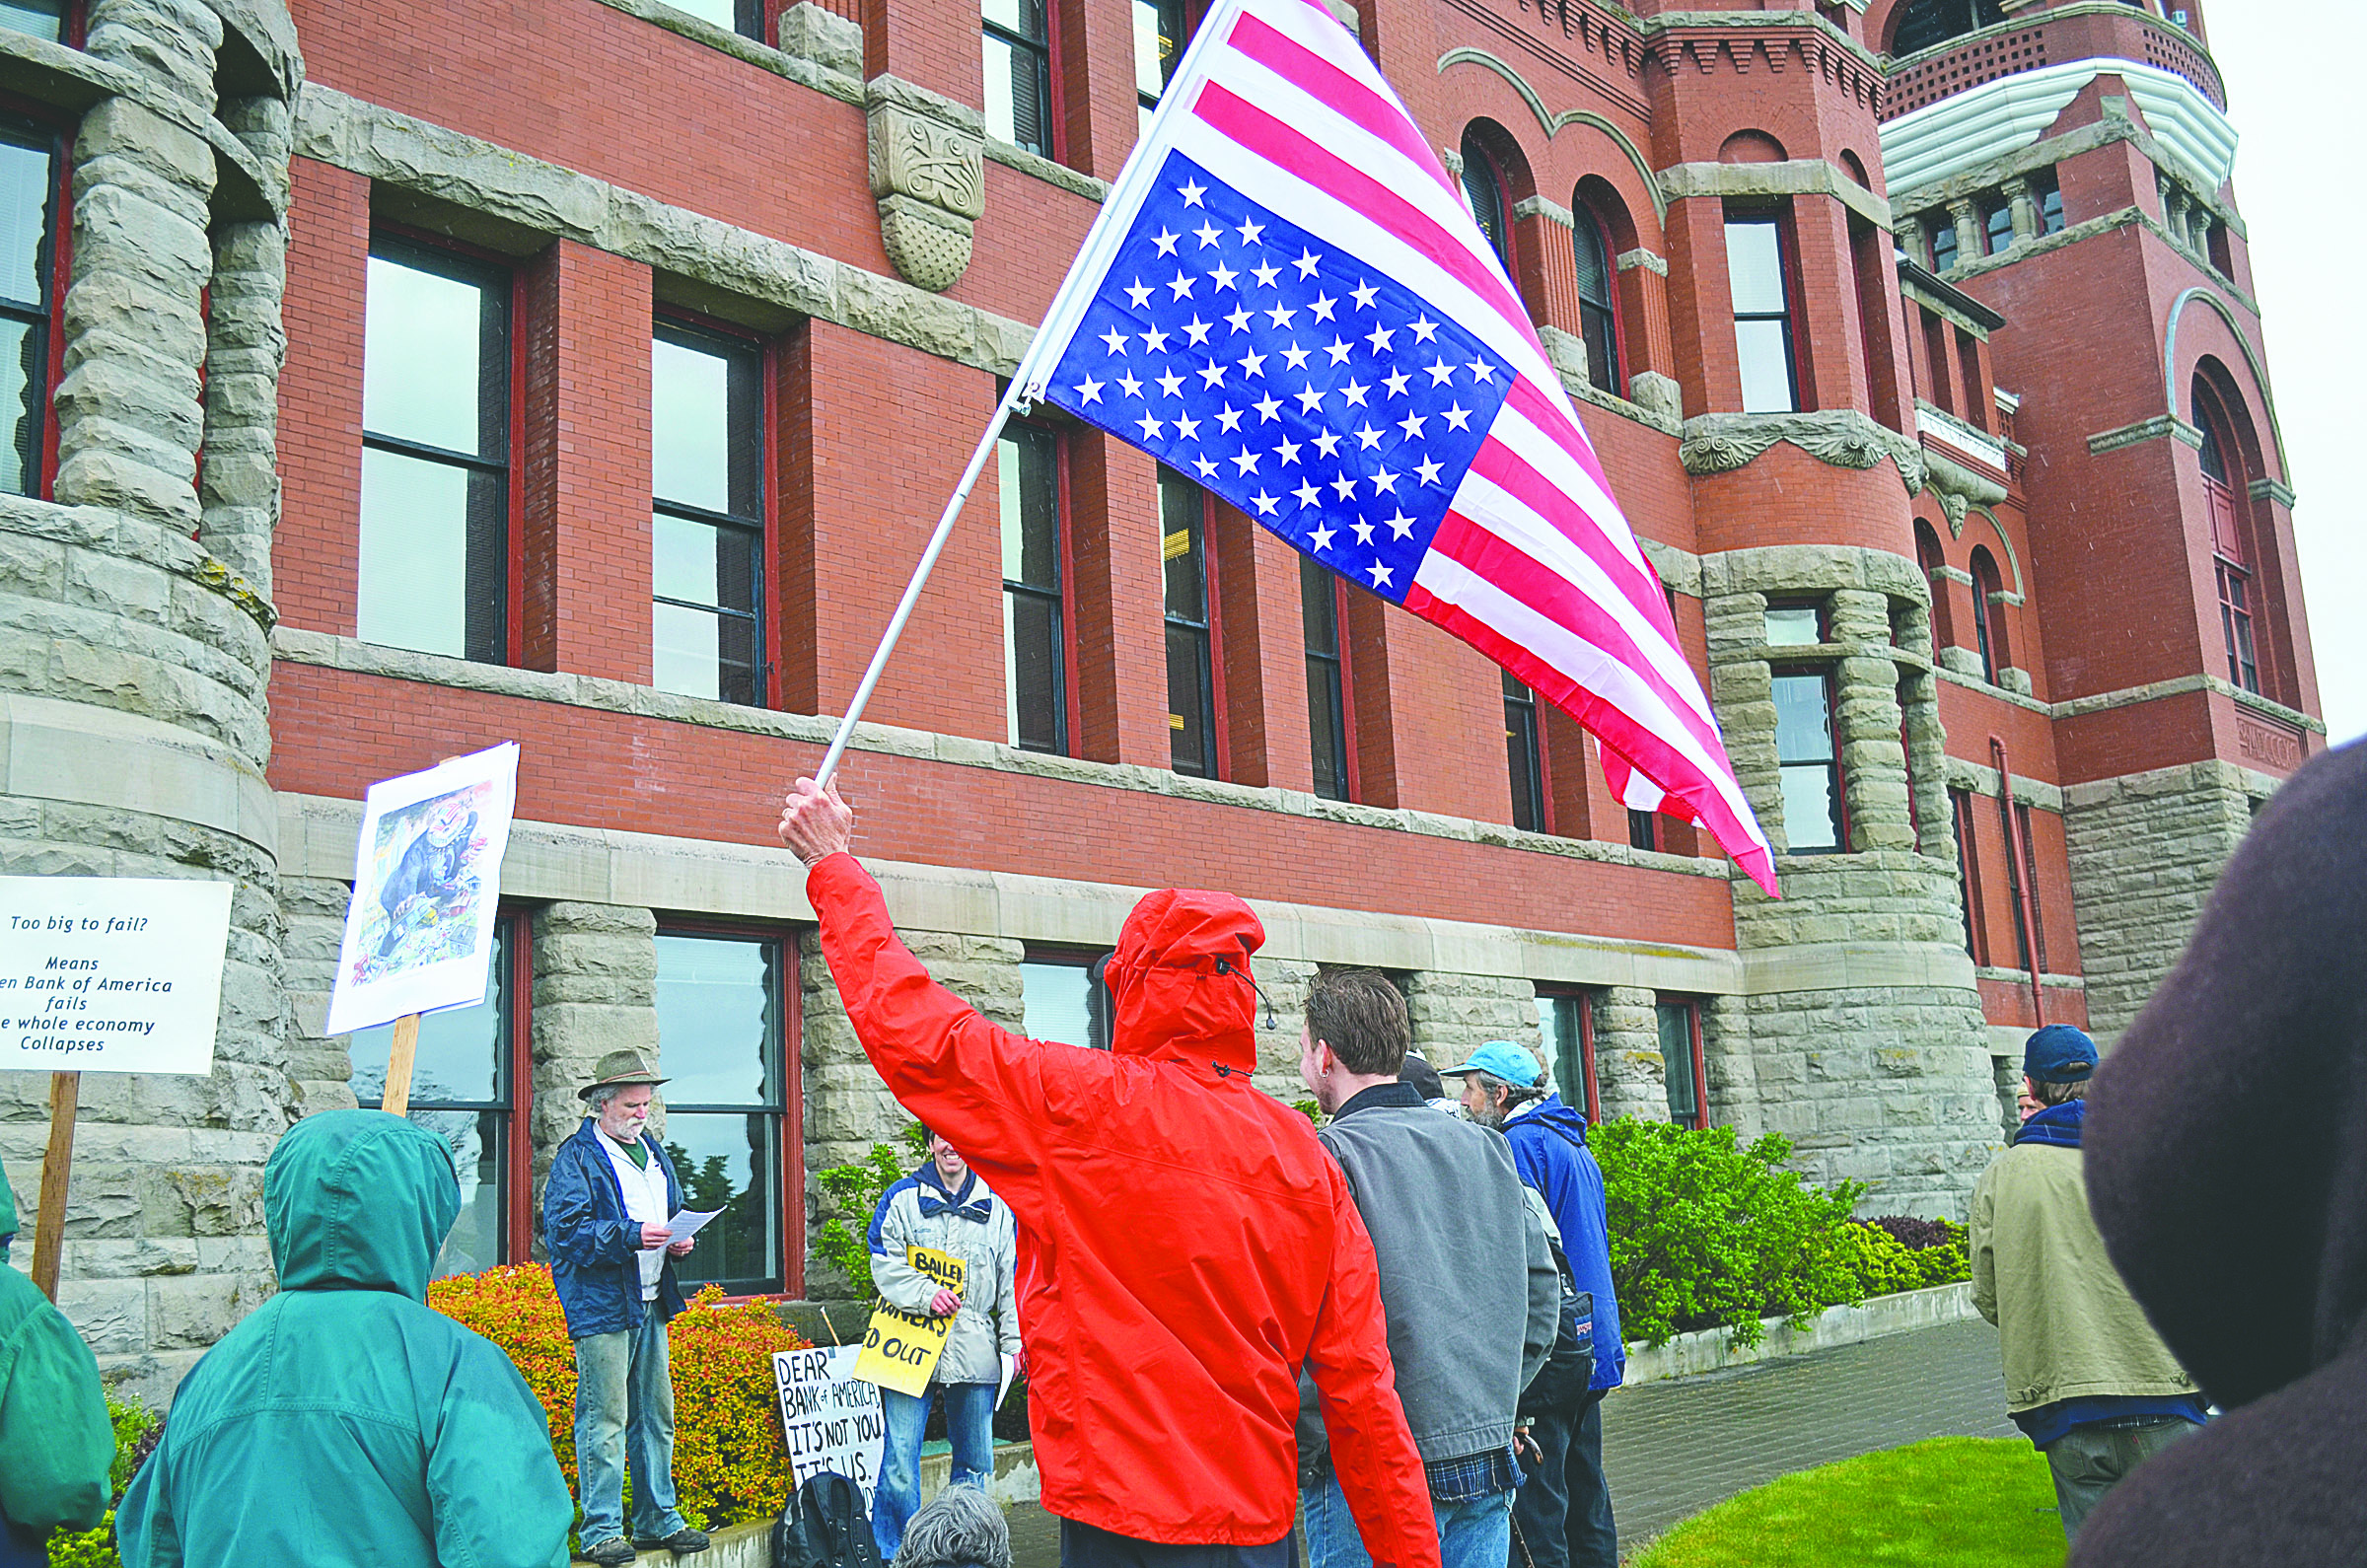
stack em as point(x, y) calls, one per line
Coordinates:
point(1179, 980)
point(359, 1200)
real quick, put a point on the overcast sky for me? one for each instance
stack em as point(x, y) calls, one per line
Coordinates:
point(2294, 93)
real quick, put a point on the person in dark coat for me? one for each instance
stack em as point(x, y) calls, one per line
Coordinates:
point(2227, 1169)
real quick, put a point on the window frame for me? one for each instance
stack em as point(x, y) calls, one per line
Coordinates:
point(764, 525)
point(1967, 871)
point(54, 267)
point(1474, 154)
point(1778, 221)
point(1578, 1002)
point(1048, 74)
point(1987, 635)
point(1340, 687)
point(514, 1066)
point(2231, 553)
point(1525, 759)
point(790, 1137)
point(504, 277)
point(1606, 310)
point(1699, 1072)
point(1148, 103)
point(1099, 1020)
point(1205, 632)
point(1824, 675)
point(1061, 597)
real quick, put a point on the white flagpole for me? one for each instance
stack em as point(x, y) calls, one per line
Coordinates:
point(920, 578)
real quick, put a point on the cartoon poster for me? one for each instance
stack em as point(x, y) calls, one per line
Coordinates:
point(426, 877)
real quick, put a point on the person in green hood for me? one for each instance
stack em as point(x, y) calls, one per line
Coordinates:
point(344, 1421)
point(54, 1433)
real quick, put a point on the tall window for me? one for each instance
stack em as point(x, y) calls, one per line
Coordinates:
point(465, 1081)
point(721, 1045)
point(2231, 561)
point(1483, 193)
point(1930, 22)
point(1159, 38)
point(1597, 318)
point(1191, 677)
point(2048, 194)
point(1643, 829)
point(1521, 753)
point(1035, 634)
point(28, 202)
point(2030, 935)
point(1326, 706)
point(435, 453)
point(1809, 756)
point(1019, 73)
point(40, 18)
point(1907, 751)
point(1968, 874)
point(1930, 560)
point(1943, 241)
point(1762, 322)
point(1566, 1024)
point(1998, 224)
point(1680, 1058)
point(707, 531)
point(1062, 998)
point(744, 16)
point(1988, 630)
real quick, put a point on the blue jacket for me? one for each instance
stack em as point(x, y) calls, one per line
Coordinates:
point(1548, 1149)
point(595, 1250)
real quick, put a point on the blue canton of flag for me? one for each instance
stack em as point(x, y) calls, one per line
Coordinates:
point(1305, 387)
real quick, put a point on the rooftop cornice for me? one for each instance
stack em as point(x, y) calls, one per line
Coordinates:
point(1800, 21)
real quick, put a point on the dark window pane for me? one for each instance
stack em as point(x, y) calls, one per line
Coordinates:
point(1754, 266)
point(1643, 829)
point(1483, 193)
point(730, 1162)
point(1594, 260)
point(1765, 348)
point(1023, 17)
point(24, 350)
point(2050, 210)
point(1018, 90)
point(1319, 615)
point(1810, 783)
point(1558, 1030)
point(1032, 675)
point(25, 181)
point(1601, 330)
point(1192, 747)
point(1159, 39)
point(1676, 1019)
point(717, 1028)
point(1943, 244)
point(432, 560)
point(1520, 752)
point(1028, 473)
point(1327, 719)
point(701, 654)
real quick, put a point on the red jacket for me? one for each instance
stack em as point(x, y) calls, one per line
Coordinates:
point(1185, 1245)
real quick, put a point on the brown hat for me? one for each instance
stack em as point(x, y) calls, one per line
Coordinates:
point(619, 1068)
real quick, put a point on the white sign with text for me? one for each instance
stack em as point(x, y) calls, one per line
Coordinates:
point(831, 1417)
point(111, 974)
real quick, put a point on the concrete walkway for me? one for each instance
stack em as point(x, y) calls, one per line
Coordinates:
point(1674, 1449)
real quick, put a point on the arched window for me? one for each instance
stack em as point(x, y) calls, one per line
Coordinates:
point(1929, 559)
point(1927, 24)
point(1597, 317)
point(2231, 553)
point(1988, 618)
point(1483, 193)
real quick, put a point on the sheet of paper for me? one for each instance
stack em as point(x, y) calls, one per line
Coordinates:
point(687, 1224)
point(1010, 1364)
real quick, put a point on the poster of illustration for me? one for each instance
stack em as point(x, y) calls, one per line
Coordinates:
point(426, 878)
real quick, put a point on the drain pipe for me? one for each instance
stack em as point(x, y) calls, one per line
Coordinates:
point(2025, 889)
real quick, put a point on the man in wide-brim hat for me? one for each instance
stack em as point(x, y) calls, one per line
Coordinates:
point(604, 1215)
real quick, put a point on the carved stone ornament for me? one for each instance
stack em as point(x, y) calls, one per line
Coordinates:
point(929, 174)
point(1845, 438)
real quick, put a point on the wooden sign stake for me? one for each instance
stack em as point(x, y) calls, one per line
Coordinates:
point(405, 1047)
point(50, 1221)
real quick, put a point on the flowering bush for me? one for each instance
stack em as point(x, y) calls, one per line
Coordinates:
point(730, 1462)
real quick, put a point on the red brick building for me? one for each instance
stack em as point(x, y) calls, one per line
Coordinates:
point(631, 352)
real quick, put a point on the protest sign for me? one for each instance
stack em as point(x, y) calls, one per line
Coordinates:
point(900, 1348)
point(830, 1418)
point(426, 877)
point(111, 974)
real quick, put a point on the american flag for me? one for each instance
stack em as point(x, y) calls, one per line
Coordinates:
point(1360, 376)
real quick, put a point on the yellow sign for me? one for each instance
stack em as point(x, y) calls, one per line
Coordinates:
point(900, 1348)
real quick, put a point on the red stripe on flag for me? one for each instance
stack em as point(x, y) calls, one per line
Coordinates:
point(1318, 78)
point(1540, 412)
point(1658, 759)
point(1287, 150)
point(1509, 471)
point(1554, 596)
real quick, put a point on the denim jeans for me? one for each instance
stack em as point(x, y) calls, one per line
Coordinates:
point(624, 1412)
point(1472, 1535)
point(968, 1425)
point(2087, 1462)
point(1564, 1507)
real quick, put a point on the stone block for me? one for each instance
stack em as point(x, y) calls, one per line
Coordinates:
point(111, 1314)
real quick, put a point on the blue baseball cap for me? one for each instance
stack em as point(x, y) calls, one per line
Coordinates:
point(2059, 1055)
point(1503, 1059)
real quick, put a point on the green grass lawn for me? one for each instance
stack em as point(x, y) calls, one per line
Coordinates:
point(1949, 1503)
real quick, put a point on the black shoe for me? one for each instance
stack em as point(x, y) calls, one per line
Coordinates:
point(683, 1543)
point(615, 1550)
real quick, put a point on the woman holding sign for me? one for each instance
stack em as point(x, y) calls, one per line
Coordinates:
point(942, 1248)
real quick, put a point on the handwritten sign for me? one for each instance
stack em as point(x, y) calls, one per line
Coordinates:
point(900, 1348)
point(831, 1417)
point(111, 974)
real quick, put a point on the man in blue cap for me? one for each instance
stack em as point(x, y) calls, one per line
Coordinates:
point(1562, 1510)
point(2086, 1376)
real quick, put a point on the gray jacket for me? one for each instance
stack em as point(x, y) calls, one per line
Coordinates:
point(987, 1327)
point(1466, 1281)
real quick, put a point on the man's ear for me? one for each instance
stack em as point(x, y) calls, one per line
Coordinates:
point(1324, 1058)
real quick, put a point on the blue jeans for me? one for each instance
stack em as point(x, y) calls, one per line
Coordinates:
point(1472, 1535)
point(968, 1425)
point(624, 1411)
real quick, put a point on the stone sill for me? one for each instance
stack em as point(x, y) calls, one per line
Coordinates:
point(2052, 982)
point(323, 650)
point(1713, 1349)
point(1042, 168)
point(805, 73)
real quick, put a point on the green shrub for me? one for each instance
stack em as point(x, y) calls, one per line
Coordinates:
point(1705, 1233)
point(1884, 1263)
point(135, 1429)
point(855, 1190)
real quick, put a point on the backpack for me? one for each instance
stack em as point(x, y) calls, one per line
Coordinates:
point(824, 1525)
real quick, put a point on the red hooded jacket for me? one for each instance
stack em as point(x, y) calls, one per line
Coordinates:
point(1186, 1244)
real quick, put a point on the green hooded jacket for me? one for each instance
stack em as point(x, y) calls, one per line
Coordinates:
point(53, 1426)
point(345, 1422)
